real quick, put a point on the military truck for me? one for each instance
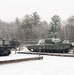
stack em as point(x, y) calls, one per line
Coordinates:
point(51, 45)
point(6, 45)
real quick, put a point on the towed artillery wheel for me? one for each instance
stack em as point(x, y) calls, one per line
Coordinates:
point(5, 52)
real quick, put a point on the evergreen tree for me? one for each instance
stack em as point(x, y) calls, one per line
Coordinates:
point(28, 23)
point(18, 23)
point(55, 26)
point(35, 18)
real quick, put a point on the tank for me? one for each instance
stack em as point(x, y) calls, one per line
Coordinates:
point(51, 45)
point(6, 45)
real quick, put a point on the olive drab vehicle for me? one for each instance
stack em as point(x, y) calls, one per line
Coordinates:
point(6, 45)
point(51, 45)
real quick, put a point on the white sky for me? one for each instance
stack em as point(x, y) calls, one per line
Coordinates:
point(10, 9)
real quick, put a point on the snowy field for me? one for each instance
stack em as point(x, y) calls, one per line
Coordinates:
point(50, 65)
point(17, 56)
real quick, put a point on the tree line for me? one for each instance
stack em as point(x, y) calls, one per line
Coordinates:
point(30, 27)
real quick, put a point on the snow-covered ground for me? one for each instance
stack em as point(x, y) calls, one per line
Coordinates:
point(50, 65)
point(17, 56)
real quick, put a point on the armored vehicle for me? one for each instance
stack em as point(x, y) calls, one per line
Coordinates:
point(51, 45)
point(6, 45)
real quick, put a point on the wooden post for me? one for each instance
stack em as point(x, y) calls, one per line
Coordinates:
point(15, 50)
point(73, 51)
point(44, 49)
point(22, 46)
point(19, 48)
point(39, 51)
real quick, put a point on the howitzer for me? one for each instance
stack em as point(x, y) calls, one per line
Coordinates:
point(7, 45)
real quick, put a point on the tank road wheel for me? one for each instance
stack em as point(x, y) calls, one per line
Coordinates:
point(63, 51)
point(31, 50)
point(66, 51)
point(1, 52)
point(9, 52)
point(38, 50)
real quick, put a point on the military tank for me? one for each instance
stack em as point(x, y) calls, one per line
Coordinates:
point(51, 45)
point(6, 45)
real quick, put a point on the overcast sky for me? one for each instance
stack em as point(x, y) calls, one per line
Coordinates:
point(10, 9)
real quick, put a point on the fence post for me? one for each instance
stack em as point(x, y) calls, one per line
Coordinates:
point(73, 51)
point(19, 48)
point(44, 49)
point(15, 50)
point(39, 51)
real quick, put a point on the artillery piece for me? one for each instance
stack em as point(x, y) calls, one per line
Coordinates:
point(6, 45)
